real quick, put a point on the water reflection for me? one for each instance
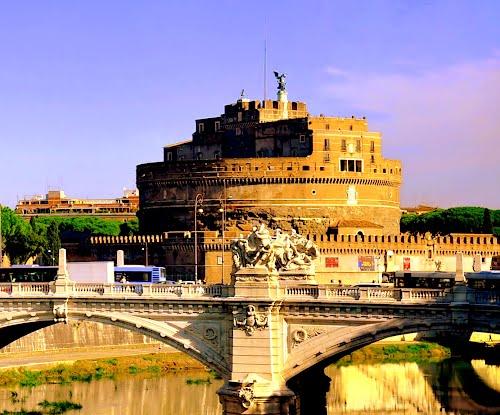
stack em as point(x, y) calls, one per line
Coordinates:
point(169, 394)
point(433, 388)
point(448, 387)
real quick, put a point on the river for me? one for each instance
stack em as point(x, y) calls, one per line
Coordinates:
point(448, 387)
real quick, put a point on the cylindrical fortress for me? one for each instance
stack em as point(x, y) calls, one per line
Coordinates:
point(273, 162)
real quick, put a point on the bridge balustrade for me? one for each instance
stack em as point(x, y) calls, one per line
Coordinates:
point(25, 288)
point(341, 292)
point(486, 297)
point(422, 294)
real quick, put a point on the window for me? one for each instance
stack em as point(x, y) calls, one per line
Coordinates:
point(217, 125)
point(169, 156)
point(216, 154)
point(352, 165)
point(343, 145)
point(275, 105)
point(238, 131)
point(305, 167)
point(372, 159)
point(327, 126)
point(302, 138)
point(358, 146)
point(372, 147)
point(326, 158)
point(326, 144)
point(240, 116)
point(201, 127)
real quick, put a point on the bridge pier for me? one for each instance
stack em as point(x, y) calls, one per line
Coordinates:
point(256, 398)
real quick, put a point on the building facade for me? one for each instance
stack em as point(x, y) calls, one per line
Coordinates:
point(273, 162)
point(58, 204)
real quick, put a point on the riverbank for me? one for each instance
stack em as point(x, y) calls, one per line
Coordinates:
point(107, 368)
point(396, 352)
point(149, 361)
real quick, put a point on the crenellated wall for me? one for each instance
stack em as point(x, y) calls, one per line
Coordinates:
point(340, 254)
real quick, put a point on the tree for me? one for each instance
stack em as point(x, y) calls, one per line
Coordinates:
point(52, 244)
point(21, 241)
point(487, 224)
point(129, 228)
point(453, 220)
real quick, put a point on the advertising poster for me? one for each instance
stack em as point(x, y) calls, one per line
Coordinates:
point(366, 263)
point(406, 263)
point(332, 262)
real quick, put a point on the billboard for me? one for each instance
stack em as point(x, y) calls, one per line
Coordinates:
point(332, 262)
point(366, 263)
point(406, 263)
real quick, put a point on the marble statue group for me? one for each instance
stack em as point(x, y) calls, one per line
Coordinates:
point(278, 252)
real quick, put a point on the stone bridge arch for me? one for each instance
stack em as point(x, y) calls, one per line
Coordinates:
point(325, 348)
point(204, 349)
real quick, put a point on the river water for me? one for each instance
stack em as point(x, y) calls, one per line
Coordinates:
point(449, 387)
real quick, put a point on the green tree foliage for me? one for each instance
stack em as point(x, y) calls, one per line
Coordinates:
point(130, 227)
point(453, 220)
point(52, 245)
point(487, 225)
point(21, 239)
point(81, 227)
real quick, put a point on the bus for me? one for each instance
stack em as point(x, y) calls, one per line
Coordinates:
point(140, 273)
point(424, 279)
point(28, 273)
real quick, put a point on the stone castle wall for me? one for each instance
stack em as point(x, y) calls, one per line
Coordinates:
point(291, 189)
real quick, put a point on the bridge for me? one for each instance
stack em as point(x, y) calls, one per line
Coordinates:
point(261, 333)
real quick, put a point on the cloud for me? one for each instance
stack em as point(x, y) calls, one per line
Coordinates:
point(334, 71)
point(443, 124)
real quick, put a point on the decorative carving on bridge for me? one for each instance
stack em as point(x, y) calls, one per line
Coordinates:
point(246, 395)
point(251, 321)
point(60, 312)
point(281, 252)
point(302, 334)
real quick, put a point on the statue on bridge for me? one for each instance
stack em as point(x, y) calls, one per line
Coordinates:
point(281, 252)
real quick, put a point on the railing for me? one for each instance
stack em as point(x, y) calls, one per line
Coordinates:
point(24, 288)
point(419, 294)
point(327, 292)
point(341, 292)
point(487, 297)
point(302, 291)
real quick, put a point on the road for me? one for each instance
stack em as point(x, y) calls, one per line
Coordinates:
point(49, 358)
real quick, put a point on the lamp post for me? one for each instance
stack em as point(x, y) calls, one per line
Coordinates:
point(51, 256)
point(146, 253)
point(197, 201)
point(222, 211)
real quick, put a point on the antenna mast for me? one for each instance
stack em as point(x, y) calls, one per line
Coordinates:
point(265, 69)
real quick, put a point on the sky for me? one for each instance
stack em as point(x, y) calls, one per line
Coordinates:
point(89, 89)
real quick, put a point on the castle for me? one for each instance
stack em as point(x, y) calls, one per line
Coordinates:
point(273, 162)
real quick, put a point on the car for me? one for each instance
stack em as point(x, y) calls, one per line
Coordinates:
point(368, 285)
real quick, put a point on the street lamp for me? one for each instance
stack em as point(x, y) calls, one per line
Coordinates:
point(146, 253)
point(197, 201)
point(222, 211)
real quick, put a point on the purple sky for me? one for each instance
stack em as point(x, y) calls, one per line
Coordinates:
point(90, 89)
